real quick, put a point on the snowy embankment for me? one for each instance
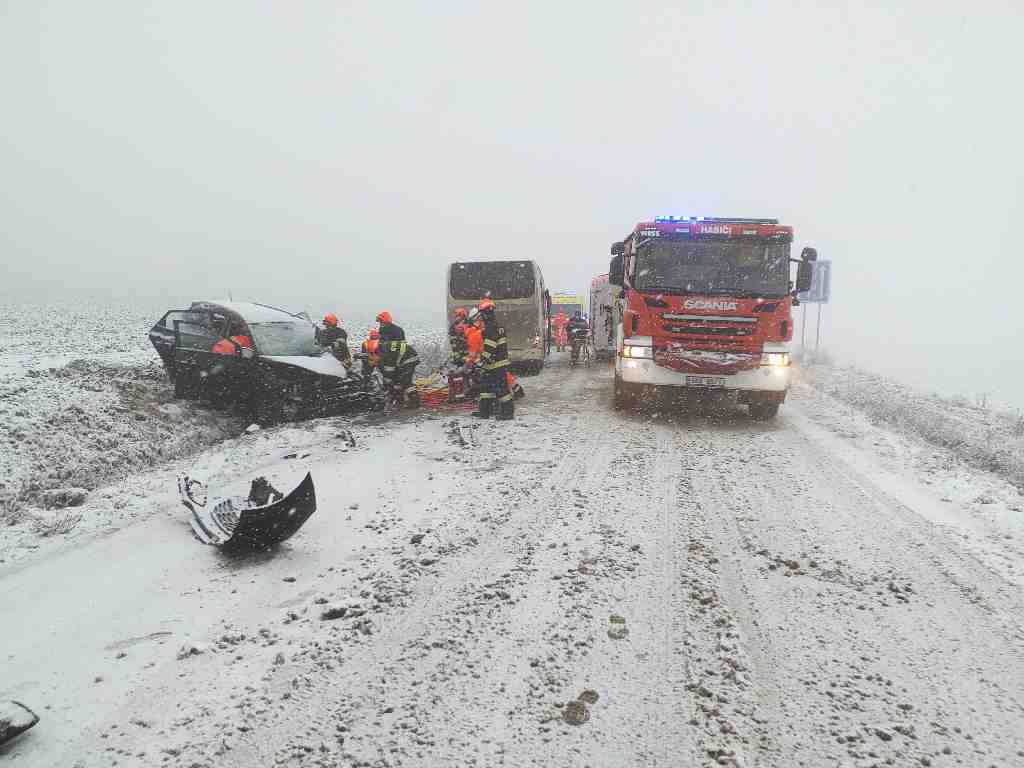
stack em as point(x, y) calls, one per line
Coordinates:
point(88, 423)
point(982, 437)
point(83, 403)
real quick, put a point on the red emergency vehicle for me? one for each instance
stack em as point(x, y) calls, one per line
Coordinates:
point(706, 306)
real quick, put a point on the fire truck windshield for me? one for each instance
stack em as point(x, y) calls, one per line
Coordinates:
point(734, 267)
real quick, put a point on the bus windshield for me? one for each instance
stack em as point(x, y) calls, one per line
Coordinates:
point(502, 279)
point(734, 267)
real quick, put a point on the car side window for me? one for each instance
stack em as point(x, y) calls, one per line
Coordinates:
point(220, 325)
point(197, 331)
point(168, 320)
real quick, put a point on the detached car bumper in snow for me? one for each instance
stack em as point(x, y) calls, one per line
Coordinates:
point(255, 522)
point(15, 719)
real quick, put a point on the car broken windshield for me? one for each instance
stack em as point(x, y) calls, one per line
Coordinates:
point(740, 267)
point(285, 338)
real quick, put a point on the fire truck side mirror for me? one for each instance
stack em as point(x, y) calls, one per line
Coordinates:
point(618, 248)
point(616, 272)
point(804, 276)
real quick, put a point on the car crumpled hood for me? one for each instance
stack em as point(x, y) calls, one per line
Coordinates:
point(325, 365)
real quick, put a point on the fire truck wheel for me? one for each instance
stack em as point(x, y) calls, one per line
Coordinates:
point(764, 411)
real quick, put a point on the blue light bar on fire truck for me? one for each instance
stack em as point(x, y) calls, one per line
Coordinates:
point(715, 219)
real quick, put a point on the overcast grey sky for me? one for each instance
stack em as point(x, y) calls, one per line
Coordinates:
point(326, 153)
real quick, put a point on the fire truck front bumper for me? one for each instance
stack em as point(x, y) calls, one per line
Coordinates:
point(764, 378)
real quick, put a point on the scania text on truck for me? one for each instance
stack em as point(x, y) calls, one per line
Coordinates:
point(522, 302)
point(706, 306)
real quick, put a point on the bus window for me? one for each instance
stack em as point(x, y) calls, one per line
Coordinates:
point(503, 279)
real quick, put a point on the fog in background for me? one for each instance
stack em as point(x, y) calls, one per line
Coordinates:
point(331, 155)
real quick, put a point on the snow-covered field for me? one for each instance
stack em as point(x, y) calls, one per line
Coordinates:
point(579, 587)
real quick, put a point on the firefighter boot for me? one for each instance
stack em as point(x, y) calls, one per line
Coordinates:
point(506, 410)
point(484, 409)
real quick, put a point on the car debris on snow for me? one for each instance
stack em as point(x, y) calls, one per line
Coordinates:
point(191, 648)
point(576, 712)
point(617, 629)
point(15, 719)
point(264, 518)
point(334, 612)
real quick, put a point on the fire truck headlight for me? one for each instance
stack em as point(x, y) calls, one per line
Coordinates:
point(775, 358)
point(628, 350)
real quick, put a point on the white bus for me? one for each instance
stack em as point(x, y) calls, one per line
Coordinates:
point(522, 301)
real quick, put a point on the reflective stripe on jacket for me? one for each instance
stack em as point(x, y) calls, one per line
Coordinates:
point(495, 352)
point(395, 355)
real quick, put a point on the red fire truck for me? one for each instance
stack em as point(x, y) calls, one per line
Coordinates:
point(705, 307)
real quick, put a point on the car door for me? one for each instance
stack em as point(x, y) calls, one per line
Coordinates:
point(233, 371)
point(194, 337)
point(164, 339)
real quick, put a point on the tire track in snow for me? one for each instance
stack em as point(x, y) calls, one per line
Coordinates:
point(848, 621)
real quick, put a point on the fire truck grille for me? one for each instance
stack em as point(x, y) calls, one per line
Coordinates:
point(704, 330)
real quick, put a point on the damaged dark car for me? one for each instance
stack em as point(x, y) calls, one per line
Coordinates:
point(258, 359)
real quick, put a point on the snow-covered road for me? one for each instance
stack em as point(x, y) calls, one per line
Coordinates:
point(577, 588)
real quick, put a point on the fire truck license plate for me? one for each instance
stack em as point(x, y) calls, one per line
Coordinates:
point(705, 381)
